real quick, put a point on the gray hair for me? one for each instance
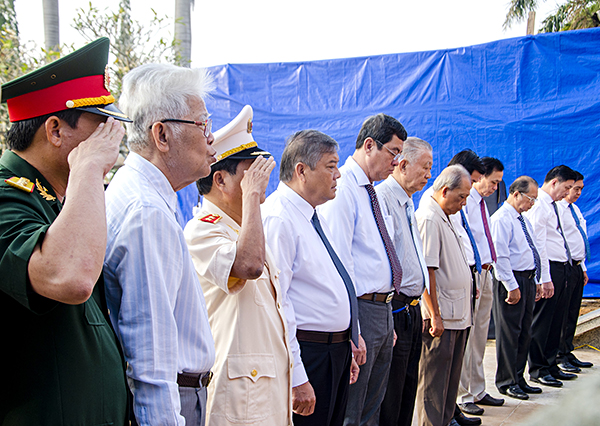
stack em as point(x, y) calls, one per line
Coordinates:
point(522, 184)
point(414, 147)
point(154, 92)
point(451, 178)
point(307, 147)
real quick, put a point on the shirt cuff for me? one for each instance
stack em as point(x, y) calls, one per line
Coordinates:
point(299, 376)
point(510, 285)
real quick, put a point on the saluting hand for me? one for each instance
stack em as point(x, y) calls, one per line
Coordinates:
point(100, 149)
point(256, 178)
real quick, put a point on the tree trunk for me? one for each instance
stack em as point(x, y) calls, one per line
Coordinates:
point(51, 33)
point(183, 30)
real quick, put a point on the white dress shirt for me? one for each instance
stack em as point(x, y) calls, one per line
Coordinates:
point(549, 241)
point(456, 220)
point(355, 235)
point(473, 211)
point(394, 202)
point(512, 249)
point(314, 294)
point(156, 304)
point(572, 234)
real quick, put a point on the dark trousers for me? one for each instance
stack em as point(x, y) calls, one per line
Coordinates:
point(399, 401)
point(547, 324)
point(575, 293)
point(513, 331)
point(328, 370)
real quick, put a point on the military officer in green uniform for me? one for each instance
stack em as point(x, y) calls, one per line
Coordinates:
point(61, 360)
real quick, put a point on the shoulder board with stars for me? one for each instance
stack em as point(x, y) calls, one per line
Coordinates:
point(22, 183)
point(210, 218)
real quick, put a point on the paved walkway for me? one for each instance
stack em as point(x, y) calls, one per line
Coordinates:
point(516, 412)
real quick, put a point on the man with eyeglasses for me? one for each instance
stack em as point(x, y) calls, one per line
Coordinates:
point(156, 303)
point(576, 234)
point(556, 259)
point(360, 234)
point(516, 287)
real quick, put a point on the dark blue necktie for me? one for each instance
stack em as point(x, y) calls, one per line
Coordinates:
point(465, 225)
point(562, 234)
point(345, 277)
point(583, 235)
point(536, 255)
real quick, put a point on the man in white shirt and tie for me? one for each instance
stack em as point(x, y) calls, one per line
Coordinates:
point(395, 194)
point(319, 297)
point(516, 287)
point(576, 234)
point(555, 255)
point(472, 379)
point(359, 233)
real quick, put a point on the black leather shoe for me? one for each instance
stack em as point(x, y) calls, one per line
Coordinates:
point(529, 389)
point(561, 375)
point(514, 391)
point(463, 420)
point(568, 367)
point(490, 400)
point(471, 408)
point(547, 380)
point(581, 364)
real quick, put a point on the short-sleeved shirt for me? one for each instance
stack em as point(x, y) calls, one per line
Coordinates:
point(444, 252)
point(61, 363)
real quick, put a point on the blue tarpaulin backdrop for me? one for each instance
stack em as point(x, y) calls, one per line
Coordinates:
point(532, 102)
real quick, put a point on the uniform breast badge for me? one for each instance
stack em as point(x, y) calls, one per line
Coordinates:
point(211, 218)
point(22, 183)
point(43, 191)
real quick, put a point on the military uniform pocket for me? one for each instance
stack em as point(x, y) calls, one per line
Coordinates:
point(250, 385)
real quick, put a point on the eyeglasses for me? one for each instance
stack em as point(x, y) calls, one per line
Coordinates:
point(207, 124)
point(531, 199)
point(397, 157)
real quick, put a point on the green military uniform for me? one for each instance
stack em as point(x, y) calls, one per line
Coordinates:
point(62, 365)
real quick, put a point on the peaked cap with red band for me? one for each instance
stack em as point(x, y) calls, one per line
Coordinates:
point(76, 81)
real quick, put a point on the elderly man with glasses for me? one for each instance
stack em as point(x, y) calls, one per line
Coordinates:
point(516, 274)
point(360, 234)
point(156, 303)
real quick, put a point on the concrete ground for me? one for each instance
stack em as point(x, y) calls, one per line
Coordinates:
point(516, 412)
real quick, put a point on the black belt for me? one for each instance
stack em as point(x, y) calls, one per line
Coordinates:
point(525, 274)
point(577, 262)
point(559, 263)
point(194, 380)
point(407, 300)
point(378, 297)
point(323, 336)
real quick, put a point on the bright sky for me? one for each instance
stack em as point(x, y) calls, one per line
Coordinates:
point(242, 31)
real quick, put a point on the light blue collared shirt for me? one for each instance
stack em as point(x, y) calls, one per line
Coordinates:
point(156, 303)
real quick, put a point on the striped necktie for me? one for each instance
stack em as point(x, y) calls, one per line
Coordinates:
point(387, 241)
point(465, 225)
point(536, 255)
